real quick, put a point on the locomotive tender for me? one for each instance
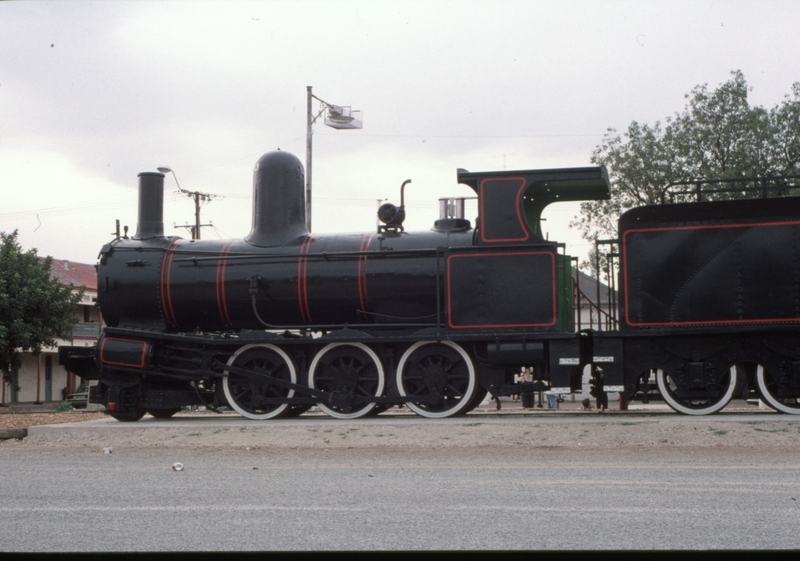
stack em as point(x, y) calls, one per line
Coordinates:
point(282, 320)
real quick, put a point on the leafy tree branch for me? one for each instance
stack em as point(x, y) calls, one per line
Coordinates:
point(718, 135)
point(35, 308)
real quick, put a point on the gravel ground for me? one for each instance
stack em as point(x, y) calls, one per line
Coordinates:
point(23, 420)
point(577, 431)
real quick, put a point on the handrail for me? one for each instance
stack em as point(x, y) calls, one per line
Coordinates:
point(761, 186)
point(604, 322)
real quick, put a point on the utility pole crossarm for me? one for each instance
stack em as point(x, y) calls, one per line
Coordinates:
point(197, 197)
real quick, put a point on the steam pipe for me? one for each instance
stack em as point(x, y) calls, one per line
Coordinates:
point(402, 193)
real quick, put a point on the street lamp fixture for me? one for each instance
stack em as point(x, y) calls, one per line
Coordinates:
point(337, 117)
point(343, 118)
point(169, 170)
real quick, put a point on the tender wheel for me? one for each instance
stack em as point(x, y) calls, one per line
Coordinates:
point(248, 394)
point(441, 375)
point(770, 393)
point(696, 406)
point(163, 413)
point(349, 371)
point(128, 416)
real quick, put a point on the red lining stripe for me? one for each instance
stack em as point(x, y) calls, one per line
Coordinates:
point(222, 301)
point(166, 293)
point(302, 285)
point(450, 292)
point(518, 208)
point(698, 322)
point(362, 273)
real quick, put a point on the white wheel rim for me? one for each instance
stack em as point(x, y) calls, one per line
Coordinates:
point(464, 402)
point(226, 387)
point(661, 379)
point(769, 398)
point(378, 392)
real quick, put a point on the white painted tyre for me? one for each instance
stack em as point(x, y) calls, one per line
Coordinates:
point(370, 378)
point(702, 408)
point(767, 390)
point(459, 376)
point(243, 393)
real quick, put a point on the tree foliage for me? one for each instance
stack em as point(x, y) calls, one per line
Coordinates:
point(718, 135)
point(35, 308)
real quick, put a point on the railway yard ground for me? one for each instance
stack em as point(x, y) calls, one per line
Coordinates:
point(542, 479)
point(567, 428)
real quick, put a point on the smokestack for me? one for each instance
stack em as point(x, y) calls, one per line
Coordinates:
point(279, 203)
point(151, 206)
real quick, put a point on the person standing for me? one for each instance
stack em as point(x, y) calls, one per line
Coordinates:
point(527, 392)
point(601, 394)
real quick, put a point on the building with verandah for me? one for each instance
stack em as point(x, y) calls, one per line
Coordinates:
point(40, 379)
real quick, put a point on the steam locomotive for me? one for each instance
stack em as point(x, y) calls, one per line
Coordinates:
point(283, 320)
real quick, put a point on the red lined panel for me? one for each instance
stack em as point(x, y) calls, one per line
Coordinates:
point(695, 322)
point(552, 284)
point(486, 236)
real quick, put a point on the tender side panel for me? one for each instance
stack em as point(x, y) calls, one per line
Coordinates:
point(513, 290)
point(719, 274)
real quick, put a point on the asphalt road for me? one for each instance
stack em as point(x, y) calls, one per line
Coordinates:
point(58, 500)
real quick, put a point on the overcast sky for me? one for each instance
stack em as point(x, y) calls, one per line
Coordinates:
point(92, 93)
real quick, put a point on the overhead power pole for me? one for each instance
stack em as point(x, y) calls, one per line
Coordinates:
point(198, 198)
point(309, 133)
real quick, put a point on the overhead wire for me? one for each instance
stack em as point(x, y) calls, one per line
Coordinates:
point(125, 200)
point(94, 206)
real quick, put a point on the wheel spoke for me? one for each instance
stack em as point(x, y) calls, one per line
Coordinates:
point(241, 395)
point(273, 391)
point(458, 392)
point(363, 391)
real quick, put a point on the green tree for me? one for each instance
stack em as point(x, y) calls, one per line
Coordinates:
point(35, 308)
point(717, 136)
